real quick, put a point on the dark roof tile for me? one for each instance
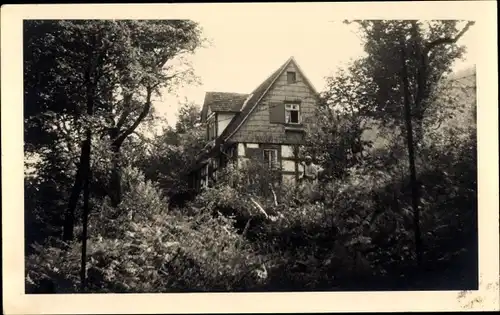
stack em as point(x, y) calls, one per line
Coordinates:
point(223, 102)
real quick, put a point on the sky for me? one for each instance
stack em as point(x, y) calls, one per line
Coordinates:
point(242, 54)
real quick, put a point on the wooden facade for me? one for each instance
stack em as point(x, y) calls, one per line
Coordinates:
point(267, 125)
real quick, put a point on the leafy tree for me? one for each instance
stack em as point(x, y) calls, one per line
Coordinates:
point(55, 86)
point(188, 117)
point(336, 138)
point(99, 75)
point(406, 60)
point(154, 44)
point(172, 153)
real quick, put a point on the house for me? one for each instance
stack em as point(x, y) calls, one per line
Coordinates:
point(268, 124)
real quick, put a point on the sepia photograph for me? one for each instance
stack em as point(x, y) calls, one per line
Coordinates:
point(199, 155)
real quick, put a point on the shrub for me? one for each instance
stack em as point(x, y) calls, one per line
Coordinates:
point(147, 248)
point(51, 269)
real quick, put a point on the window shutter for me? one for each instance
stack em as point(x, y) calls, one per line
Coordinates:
point(276, 112)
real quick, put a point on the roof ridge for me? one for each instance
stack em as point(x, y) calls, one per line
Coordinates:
point(304, 77)
point(273, 74)
point(226, 92)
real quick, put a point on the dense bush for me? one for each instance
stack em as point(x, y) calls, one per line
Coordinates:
point(231, 237)
point(147, 248)
point(238, 236)
point(361, 228)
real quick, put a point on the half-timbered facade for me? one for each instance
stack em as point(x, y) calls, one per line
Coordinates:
point(267, 124)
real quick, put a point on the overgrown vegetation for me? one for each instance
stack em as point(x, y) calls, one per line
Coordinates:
point(147, 232)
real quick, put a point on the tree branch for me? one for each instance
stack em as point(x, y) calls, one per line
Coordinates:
point(147, 141)
point(145, 110)
point(274, 195)
point(123, 117)
point(164, 57)
point(421, 73)
point(166, 79)
point(448, 40)
point(259, 207)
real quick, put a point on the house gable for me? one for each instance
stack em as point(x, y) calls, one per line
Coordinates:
point(251, 121)
point(250, 103)
point(261, 125)
point(223, 120)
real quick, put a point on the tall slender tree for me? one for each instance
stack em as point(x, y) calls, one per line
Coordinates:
point(406, 60)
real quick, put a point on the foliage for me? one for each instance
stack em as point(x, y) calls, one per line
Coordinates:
point(96, 75)
point(335, 139)
point(427, 48)
point(188, 117)
point(358, 235)
point(361, 230)
point(145, 247)
point(173, 151)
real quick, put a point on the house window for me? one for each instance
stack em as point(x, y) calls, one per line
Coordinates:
point(271, 158)
point(292, 113)
point(290, 77)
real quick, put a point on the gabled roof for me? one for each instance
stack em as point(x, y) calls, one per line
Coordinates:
point(249, 103)
point(222, 102)
point(256, 96)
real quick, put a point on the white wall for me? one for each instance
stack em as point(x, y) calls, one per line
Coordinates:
point(223, 120)
point(288, 166)
point(286, 151)
point(241, 149)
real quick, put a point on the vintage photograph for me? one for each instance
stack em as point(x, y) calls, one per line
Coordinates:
point(173, 155)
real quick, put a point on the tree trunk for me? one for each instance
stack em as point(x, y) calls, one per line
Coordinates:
point(411, 157)
point(86, 211)
point(69, 221)
point(90, 93)
point(115, 181)
point(69, 218)
point(117, 141)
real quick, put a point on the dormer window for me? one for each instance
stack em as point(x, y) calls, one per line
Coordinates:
point(290, 77)
point(292, 113)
